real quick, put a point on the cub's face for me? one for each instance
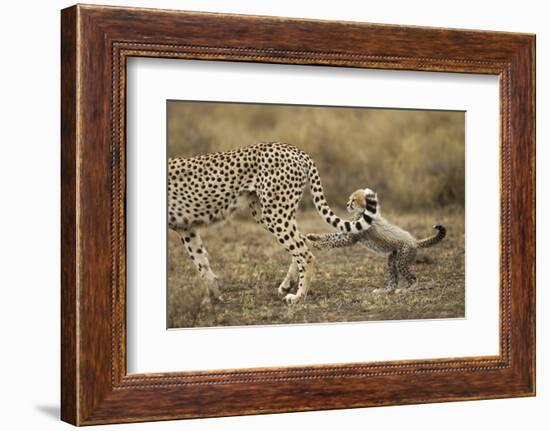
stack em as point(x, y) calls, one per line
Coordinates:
point(357, 202)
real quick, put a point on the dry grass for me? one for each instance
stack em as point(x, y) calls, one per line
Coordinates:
point(251, 264)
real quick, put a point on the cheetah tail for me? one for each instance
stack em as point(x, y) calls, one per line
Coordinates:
point(428, 242)
point(326, 213)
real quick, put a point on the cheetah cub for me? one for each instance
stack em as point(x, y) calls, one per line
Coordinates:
point(383, 237)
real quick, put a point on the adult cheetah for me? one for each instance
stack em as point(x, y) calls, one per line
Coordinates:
point(270, 179)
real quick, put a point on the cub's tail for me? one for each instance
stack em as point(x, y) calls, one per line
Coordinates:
point(352, 226)
point(428, 242)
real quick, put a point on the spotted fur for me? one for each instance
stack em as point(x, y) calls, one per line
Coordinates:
point(382, 237)
point(268, 177)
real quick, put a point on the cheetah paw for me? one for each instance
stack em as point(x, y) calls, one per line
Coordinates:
point(283, 289)
point(291, 298)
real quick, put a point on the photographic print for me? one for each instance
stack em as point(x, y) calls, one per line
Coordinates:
point(248, 217)
point(287, 214)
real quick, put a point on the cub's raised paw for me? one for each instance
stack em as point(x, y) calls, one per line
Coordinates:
point(372, 207)
point(314, 240)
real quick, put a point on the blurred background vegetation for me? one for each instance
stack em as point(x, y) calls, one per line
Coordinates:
point(413, 159)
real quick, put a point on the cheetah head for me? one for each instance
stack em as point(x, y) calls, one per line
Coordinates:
point(357, 202)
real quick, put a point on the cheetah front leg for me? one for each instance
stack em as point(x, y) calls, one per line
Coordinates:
point(331, 240)
point(198, 254)
point(392, 273)
point(303, 261)
point(302, 267)
point(405, 258)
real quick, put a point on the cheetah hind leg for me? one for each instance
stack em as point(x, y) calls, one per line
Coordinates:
point(302, 266)
point(305, 264)
point(291, 280)
point(255, 209)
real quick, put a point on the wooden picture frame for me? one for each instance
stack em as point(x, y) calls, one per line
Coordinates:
point(95, 43)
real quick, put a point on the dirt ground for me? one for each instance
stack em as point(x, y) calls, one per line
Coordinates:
point(251, 264)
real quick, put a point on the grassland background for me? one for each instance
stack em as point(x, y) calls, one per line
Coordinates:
point(413, 159)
